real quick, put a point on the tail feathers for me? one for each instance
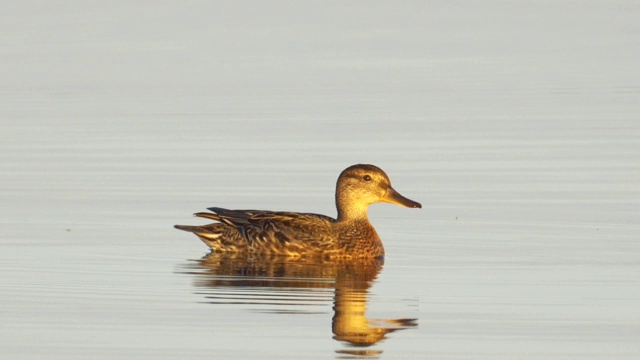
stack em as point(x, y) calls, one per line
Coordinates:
point(188, 228)
point(219, 237)
point(208, 232)
point(207, 215)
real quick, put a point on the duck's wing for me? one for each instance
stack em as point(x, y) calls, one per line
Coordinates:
point(235, 218)
point(282, 231)
point(291, 232)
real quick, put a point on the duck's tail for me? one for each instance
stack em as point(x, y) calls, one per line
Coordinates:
point(202, 230)
point(212, 234)
point(217, 236)
point(188, 228)
point(207, 215)
point(208, 231)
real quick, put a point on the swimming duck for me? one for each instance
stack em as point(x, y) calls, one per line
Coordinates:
point(350, 235)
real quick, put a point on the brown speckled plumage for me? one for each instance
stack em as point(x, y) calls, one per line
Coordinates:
point(351, 235)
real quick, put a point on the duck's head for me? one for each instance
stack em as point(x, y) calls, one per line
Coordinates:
point(362, 185)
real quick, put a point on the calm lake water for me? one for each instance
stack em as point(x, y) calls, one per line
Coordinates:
point(514, 124)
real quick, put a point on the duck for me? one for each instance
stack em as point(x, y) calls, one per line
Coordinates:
point(307, 235)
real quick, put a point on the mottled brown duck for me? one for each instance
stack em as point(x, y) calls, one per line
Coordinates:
point(349, 236)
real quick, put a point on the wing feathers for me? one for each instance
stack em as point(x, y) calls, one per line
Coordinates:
point(279, 232)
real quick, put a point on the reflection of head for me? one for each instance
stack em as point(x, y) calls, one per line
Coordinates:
point(366, 337)
point(351, 324)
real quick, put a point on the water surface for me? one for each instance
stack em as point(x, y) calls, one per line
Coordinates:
point(514, 124)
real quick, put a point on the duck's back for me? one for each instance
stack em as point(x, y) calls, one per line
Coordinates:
point(279, 232)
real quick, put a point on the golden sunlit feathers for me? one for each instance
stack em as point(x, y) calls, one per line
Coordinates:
point(304, 234)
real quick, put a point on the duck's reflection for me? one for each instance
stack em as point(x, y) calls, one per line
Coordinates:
point(350, 281)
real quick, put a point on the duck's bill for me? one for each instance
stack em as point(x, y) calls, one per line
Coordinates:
point(394, 197)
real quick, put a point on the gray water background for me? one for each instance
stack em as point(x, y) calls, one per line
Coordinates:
point(515, 124)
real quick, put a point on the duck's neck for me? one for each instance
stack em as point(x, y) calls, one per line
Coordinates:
point(347, 212)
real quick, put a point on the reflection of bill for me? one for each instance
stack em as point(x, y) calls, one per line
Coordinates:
point(350, 281)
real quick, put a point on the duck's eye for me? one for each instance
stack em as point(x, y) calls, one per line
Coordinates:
point(366, 178)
